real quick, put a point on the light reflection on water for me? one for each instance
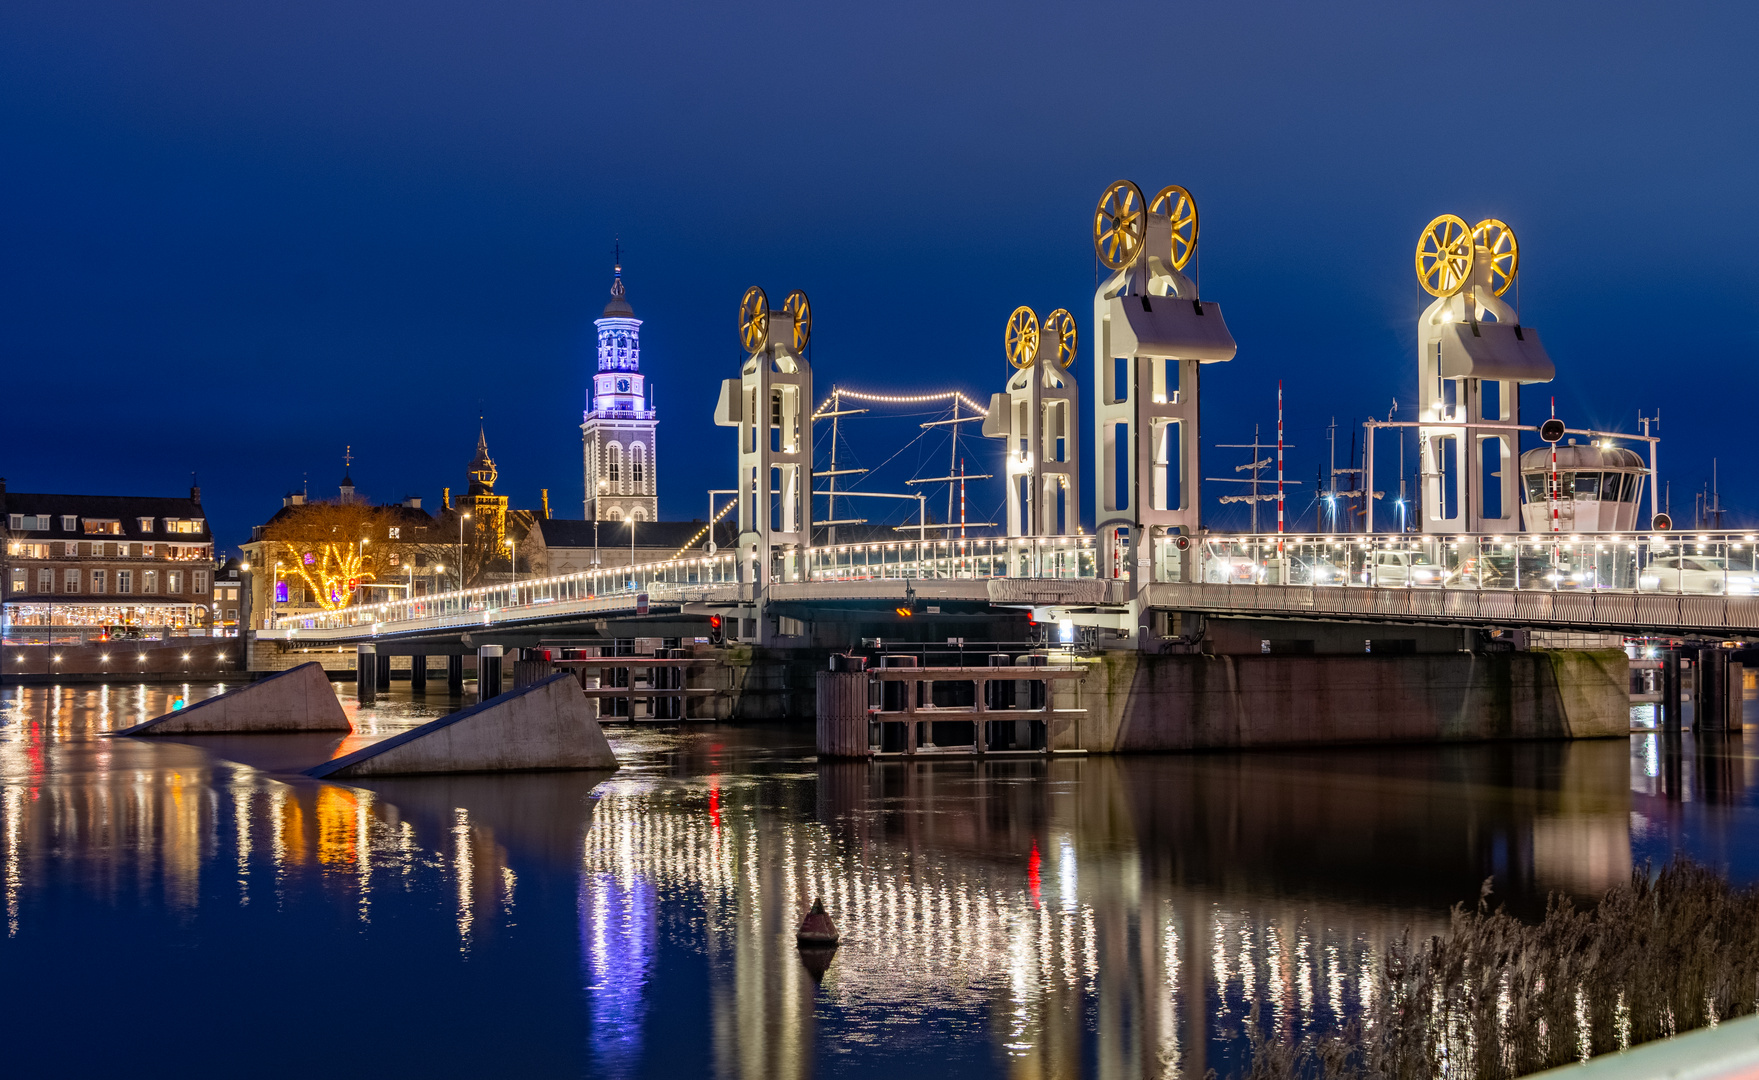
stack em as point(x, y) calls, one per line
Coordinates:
point(1106, 917)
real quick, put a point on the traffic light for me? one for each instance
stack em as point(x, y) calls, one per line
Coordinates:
point(715, 636)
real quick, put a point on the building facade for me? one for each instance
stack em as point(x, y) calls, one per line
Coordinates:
point(618, 430)
point(106, 564)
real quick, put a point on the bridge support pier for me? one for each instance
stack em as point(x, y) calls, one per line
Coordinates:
point(1716, 692)
point(455, 675)
point(1670, 691)
point(384, 673)
point(418, 674)
point(488, 671)
point(366, 673)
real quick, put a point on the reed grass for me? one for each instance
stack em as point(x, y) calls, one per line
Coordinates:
point(1494, 997)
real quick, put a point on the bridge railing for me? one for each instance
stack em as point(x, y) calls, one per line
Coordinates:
point(973, 557)
point(1716, 564)
point(670, 577)
point(957, 557)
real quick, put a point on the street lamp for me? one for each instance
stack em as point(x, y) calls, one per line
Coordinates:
point(512, 558)
point(462, 518)
point(360, 565)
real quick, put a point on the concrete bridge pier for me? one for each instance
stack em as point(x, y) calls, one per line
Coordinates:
point(418, 674)
point(366, 674)
point(384, 673)
point(1670, 691)
point(455, 675)
point(488, 671)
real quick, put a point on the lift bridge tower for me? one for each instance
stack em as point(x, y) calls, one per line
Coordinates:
point(1037, 414)
point(1152, 335)
point(770, 404)
point(1473, 357)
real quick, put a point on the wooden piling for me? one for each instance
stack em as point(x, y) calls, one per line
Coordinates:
point(842, 714)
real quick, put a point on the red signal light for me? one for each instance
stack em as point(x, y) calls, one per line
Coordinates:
point(714, 622)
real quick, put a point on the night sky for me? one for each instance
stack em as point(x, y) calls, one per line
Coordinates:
point(239, 236)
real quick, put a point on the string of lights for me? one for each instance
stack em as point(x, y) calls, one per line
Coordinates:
point(702, 532)
point(900, 399)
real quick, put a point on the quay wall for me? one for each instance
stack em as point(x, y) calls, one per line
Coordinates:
point(1144, 703)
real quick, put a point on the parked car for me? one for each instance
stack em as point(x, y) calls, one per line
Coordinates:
point(1695, 574)
point(1396, 569)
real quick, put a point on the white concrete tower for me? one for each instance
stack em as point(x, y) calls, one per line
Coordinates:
point(1151, 336)
point(1037, 416)
point(771, 406)
point(619, 429)
point(1473, 356)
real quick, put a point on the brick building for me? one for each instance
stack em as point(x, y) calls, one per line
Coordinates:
point(101, 565)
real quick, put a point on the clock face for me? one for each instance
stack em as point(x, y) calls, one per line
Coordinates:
point(622, 386)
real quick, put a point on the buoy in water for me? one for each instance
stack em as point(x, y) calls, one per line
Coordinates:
point(817, 930)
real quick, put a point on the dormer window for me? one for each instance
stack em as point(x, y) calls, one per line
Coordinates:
point(69, 522)
point(146, 524)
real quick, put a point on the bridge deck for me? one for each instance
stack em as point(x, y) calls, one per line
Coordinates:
point(1661, 583)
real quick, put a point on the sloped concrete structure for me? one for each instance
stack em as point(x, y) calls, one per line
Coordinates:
point(547, 725)
point(298, 699)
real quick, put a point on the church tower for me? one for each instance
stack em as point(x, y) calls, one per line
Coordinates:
point(487, 509)
point(618, 429)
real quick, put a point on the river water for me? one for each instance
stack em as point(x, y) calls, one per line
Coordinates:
point(197, 908)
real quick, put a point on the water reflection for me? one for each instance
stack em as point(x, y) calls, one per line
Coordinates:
point(1108, 917)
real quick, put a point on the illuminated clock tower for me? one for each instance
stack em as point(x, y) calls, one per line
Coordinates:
point(618, 430)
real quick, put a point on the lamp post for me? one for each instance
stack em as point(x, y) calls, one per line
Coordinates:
point(462, 518)
point(597, 491)
point(359, 568)
point(513, 561)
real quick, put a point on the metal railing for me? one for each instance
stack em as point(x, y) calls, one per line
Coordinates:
point(616, 587)
point(1703, 564)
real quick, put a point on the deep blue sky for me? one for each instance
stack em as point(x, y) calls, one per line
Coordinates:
point(239, 235)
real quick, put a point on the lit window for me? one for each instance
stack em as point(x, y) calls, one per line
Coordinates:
point(146, 524)
point(97, 581)
point(103, 527)
point(125, 581)
point(18, 580)
point(149, 581)
point(173, 581)
point(198, 582)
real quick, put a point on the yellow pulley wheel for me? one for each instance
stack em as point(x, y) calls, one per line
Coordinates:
point(796, 308)
point(754, 320)
point(1119, 225)
point(1505, 254)
point(1060, 325)
point(1444, 256)
point(1181, 209)
point(1021, 339)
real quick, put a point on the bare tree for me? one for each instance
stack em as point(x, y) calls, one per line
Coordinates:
point(334, 548)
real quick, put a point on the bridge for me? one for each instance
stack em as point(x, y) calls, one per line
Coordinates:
point(1595, 582)
point(1504, 540)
